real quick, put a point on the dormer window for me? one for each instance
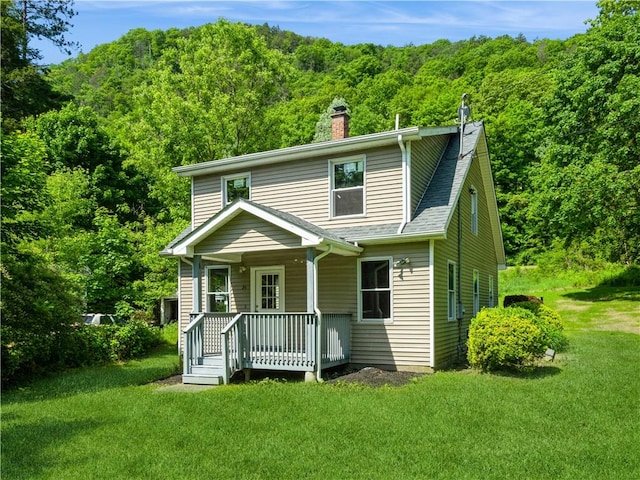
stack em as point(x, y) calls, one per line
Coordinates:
point(347, 187)
point(236, 186)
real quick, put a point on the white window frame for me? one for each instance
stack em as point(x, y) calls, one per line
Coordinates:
point(452, 294)
point(475, 282)
point(474, 210)
point(208, 269)
point(338, 161)
point(236, 176)
point(389, 261)
point(492, 298)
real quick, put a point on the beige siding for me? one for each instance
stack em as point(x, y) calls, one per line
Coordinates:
point(207, 198)
point(302, 188)
point(246, 233)
point(404, 343)
point(478, 253)
point(424, 160)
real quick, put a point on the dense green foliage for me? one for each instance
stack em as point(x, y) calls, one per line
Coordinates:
point(505, 338)
point(69, 346)
point(89, 197)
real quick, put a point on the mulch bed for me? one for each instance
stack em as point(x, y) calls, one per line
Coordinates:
point(368, 376)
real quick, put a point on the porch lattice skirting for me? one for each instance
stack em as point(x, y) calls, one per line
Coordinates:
point(218, 344)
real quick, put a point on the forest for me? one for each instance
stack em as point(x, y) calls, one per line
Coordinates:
point(89, 198)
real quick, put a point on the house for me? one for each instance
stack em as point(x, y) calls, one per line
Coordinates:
point(370, 250)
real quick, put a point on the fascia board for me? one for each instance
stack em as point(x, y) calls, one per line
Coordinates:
point(401, 238)
point(308, 239)
point(331, 147)
point(433, 131)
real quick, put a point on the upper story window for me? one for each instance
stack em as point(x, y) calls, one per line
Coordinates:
point(374, 284)
point(347, 187)
point(236, 186)
point(474, 210)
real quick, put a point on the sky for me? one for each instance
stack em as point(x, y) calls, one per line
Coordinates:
point(397, 23)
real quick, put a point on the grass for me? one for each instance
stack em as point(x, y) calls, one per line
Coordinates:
point(575, 418)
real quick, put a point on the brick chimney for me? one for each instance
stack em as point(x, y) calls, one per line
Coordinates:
point(339, 123)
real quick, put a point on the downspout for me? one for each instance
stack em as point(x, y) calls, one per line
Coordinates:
point(405, 185)
point(463, 111)
point(317, 311)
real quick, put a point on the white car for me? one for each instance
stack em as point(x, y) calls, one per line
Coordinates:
point(101, 319)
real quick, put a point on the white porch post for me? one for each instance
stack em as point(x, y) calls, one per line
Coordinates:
point(311, 278)
point(197, 284)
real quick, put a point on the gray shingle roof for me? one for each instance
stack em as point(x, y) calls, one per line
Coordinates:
point(436, 206)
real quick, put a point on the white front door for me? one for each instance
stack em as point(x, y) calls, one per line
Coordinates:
point(268, 289)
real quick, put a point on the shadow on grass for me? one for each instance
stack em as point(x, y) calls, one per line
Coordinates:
point(603, 293)
point(161, 363)
point(24, 446)
point(534, 373)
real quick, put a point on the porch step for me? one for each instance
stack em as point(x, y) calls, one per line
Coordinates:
point(211, 361)
point(208, 370)
point(202, 379)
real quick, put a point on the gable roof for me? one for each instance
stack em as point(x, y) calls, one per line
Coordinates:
point(430, 220)
point(434, 212)
point(330, 147)
point(310, 235)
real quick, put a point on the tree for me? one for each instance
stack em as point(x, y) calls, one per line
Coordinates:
point(207, 99)
point(24, 89)
point(589, 176)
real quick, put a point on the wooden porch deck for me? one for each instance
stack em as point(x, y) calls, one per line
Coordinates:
point(217, 345)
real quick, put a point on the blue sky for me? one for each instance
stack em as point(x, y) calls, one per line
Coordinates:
point(385, 23)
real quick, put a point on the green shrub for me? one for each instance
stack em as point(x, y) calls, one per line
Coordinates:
point(134, 339)
point(504, 338)
point(170, 333)
point(550, 322)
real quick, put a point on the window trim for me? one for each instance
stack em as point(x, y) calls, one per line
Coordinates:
point(225, 178)
point(452, 312)
point(207, 269)
point(474, 210)
point(338, 161)
point(475, 288)
point(389, 261)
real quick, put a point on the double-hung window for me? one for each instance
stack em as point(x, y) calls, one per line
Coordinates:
point(236, 186)
point(476, 292)
point(451, 291)
point(374, 285)
point(347, 186)
point(218, 289)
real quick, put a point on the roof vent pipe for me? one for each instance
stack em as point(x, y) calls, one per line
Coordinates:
point(463, 113)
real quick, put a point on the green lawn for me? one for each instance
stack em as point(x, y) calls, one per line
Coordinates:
point(575, 418)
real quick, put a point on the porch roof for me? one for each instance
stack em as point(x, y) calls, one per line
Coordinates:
point(310, 235)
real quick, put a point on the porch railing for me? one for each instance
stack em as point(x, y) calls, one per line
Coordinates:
point(280, 341)
point(202, 336)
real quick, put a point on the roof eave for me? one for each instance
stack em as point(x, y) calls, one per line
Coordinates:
point(331, 147)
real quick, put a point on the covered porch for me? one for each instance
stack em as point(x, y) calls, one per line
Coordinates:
point(251, 274)
point(216, 345)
